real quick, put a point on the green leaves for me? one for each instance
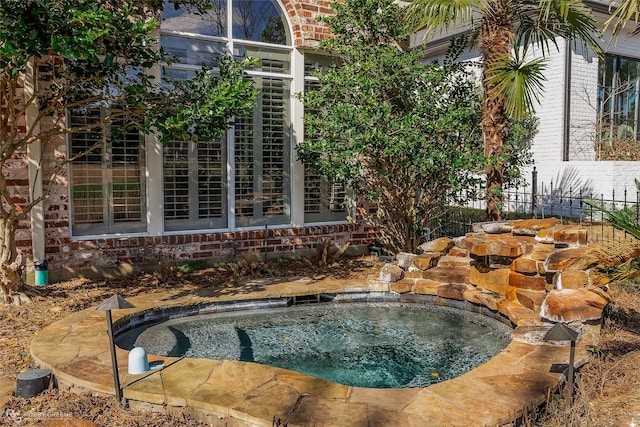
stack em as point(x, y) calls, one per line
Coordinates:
point(200, 109)
point(433, 14)
point(401, 134)
point(518, 82)
point(95, 54)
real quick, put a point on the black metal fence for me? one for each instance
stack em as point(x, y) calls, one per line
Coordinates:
point(541, 200)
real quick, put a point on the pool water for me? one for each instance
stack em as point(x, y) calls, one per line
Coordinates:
point(377, 345)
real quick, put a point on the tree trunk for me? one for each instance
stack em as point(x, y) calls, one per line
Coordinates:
point(10, 261)
point(495, 43)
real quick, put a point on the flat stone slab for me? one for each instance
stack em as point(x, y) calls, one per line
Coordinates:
point(76, 351)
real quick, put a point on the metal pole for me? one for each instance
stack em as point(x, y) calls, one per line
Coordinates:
point(572, 356)
point(534, 191)
point(114, 360)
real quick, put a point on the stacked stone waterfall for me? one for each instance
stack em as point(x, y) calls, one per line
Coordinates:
point(527, 270)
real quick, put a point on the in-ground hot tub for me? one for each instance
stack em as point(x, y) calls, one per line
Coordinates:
point(76, 349)
point(389, 343)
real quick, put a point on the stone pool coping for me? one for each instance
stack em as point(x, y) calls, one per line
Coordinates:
point(233, 393)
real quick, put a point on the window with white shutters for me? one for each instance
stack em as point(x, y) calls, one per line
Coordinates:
point(107, 179)
point(262, 157)
point(194, 185)
point(198, 193)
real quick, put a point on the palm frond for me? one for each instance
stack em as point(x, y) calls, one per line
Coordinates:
point(570, 19)
point(621, 218)
point(432, 14)
point(627, 10)
point(518, 82)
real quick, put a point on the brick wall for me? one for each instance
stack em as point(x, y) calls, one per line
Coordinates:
point(114, 256)
point(307, 32)
point(91, 257)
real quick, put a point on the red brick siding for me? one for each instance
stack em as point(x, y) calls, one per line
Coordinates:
point(69, 257)
point(79, 257)
point(307, 32)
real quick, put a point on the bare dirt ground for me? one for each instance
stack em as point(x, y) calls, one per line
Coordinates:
point(607, 388)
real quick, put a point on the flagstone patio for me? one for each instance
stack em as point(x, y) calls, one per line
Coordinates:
point(76, 349)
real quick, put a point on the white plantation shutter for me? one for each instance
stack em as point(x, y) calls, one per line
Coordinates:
point(198, 193)
point(194, 189)
point(262, 157)
point(107, 183)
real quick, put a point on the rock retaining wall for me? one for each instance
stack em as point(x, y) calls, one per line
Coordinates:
point(533, 272)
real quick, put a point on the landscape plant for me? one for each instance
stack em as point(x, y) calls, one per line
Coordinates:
point(402, 134)
point(505, 31)
point(82, 55)
point(622, 218)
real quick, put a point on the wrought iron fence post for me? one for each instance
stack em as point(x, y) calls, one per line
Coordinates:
point(534, 191)
point(637, 203)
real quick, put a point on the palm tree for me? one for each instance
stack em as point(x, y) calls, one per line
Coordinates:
point(502, 30)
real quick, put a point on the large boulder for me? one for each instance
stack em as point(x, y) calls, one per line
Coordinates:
point(531, 227)
point(564, 259)
point(504, 245)
point(569, 305)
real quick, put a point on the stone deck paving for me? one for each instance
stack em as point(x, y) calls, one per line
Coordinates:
point(247, 394)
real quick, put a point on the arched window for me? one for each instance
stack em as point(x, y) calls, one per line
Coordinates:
point(248, 171)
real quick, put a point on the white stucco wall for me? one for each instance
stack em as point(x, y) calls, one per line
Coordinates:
point(547, 144)
point(570, 117)
point(580, 169)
